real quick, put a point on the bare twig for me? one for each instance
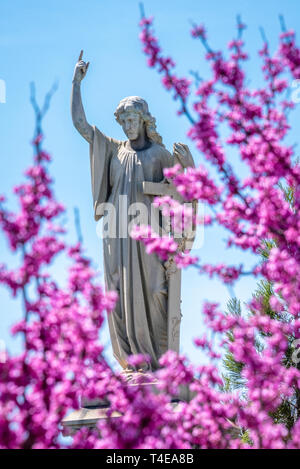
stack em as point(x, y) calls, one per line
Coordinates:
point(77, 225)
point(41, 111)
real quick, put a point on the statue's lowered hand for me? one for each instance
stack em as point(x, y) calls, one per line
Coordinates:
point(80, 69)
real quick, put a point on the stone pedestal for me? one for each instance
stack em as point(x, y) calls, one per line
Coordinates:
point(85, 417)
point(93, 411)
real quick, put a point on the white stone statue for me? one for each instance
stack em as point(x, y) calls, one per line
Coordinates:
point(141, 322)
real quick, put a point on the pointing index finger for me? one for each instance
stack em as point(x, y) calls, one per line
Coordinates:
point(80, 55)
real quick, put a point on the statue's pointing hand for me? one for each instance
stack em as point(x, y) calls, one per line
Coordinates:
point(80, 69)
point(183, 155)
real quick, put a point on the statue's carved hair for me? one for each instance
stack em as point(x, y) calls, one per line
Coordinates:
point(140, 106)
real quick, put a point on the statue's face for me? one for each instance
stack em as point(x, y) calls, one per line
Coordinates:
point(132, 124)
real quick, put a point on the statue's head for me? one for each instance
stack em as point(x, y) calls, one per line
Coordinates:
point(133, 115)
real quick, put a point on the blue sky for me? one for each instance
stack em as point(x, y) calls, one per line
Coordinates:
point(40, 42)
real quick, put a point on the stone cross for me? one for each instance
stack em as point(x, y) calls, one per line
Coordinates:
point(173, 273)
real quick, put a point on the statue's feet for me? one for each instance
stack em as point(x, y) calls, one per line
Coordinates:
point(128, 373)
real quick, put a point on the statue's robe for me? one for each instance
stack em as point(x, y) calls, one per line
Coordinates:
point(138, 325)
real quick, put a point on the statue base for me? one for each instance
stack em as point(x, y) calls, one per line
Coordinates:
point(94, 410)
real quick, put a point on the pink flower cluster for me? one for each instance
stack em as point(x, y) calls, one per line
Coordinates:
point(62, 358)
point(226, 273)
point(180, 86)
point(161, 245)
point(194, 183)
point(198, 31)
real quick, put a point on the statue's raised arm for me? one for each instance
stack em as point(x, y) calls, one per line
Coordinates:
point(78, 114)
